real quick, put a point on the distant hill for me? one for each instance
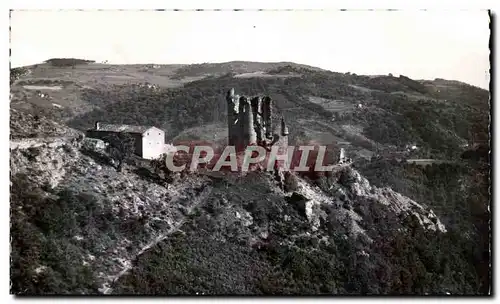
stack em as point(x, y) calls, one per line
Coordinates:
point(236, 67)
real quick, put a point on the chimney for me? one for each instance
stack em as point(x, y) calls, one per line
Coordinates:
point(97, 125)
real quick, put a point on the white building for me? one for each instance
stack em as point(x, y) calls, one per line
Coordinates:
point(149, 140)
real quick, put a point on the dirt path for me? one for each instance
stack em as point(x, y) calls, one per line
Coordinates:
point(38, 142)
point(36, 87)
point(425, 162)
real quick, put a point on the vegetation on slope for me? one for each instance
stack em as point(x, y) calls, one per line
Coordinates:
point(24, 125)
point(439, 127)
point(45, 258)
point(16, 73)
point(211, 255)
point(460, 195)
point(67, 62)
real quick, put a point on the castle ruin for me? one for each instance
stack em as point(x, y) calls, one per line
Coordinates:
point(250, 123)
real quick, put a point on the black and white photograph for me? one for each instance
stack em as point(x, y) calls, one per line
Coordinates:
point(247, 152)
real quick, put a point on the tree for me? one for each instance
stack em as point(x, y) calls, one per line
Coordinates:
point(160, 165)
point(16, 73)
point(121, 147)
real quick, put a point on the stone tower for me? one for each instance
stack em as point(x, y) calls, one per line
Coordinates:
point(232, 117)
point(246, 118)
point(266, 116)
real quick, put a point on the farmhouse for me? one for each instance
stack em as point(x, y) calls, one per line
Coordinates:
point(149, 140)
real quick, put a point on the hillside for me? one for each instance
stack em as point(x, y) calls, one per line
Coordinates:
point(367, 113)
point(381, 227)
point(90, 224)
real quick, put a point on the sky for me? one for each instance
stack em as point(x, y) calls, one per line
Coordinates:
point(418, 44)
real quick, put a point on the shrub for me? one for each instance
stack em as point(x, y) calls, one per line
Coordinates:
point(290, 183)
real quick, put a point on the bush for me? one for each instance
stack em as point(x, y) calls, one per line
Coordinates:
point(347, 178)
point(290, 183)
